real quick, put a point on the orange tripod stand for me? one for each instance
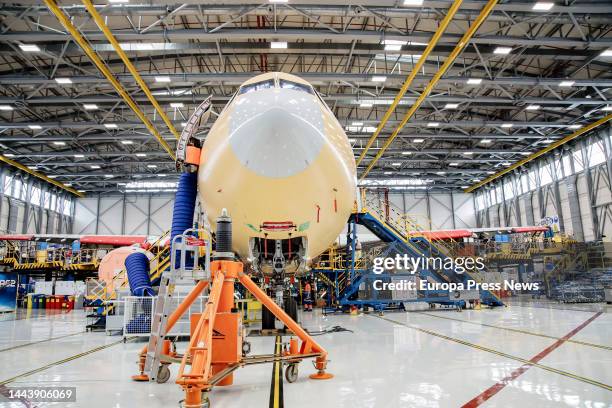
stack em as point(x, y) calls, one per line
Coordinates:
point(215, 347)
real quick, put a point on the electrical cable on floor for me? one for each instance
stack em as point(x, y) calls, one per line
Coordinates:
point(335, 329)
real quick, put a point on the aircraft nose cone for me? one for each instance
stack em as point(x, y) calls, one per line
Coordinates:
point(276, 133)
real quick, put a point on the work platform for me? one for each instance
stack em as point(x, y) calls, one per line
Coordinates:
point(350, 275)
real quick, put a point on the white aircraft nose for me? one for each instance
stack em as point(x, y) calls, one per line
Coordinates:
point(276, 133)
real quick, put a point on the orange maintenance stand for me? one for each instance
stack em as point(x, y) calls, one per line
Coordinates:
point(215, 347)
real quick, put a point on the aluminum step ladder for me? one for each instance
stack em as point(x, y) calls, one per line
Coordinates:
point(184, 265)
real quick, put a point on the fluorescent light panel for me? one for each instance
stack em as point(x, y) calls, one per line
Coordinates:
point(542, 6)
point(278, 44)
point(502, 50)
point(63, 81)
point(29, 47)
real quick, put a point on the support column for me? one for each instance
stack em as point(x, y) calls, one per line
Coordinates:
point(574, 206)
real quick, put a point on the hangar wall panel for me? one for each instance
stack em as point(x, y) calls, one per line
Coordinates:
point(137, 214)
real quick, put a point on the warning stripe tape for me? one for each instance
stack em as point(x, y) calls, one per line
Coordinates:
point(583, 343)
point(506, 355)
point(59, 362)
point(40, 341)
point(276, 387)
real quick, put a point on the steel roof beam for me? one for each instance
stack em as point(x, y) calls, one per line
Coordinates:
point(415, 123)
point(106, 137)
point(295, 34)
point(469, 9)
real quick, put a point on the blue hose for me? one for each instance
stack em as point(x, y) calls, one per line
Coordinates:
point(184, 205)
point(137, 267)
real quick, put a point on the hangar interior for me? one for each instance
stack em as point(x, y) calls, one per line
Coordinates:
point(373, 129)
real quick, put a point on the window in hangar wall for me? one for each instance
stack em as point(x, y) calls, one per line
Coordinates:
point(546, 174)
point(596, 153)
point(567, 165)
point(35, 198)
point(8, 185)
point(578, 162)
point(508, 190)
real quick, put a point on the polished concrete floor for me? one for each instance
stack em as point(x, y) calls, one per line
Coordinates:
point(414, 359)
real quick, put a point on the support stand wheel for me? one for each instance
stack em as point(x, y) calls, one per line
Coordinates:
point(291, 372)
point(163, 374)
point(246, 348)
point(267, 319)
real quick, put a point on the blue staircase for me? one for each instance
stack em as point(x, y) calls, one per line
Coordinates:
point(414, 246)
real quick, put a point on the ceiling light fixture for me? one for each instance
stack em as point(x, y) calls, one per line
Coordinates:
point(451, 106)
point(533, 107)
point(177, 105)
point(59, 143)
point(502, 50)
point(567, 83)
point(542, 6)
point(90, 106)
point(278, 44)
point(127, 142)
point(35, 127)
point(433, 124)
point(6, 108)
point(110, 125)
point(418, 140)
point(29, 47)
point(63, 81)
point(474, 81)
point(163, 79)
point(379, 78)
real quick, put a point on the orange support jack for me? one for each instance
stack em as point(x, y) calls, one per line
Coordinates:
point(215, 347)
